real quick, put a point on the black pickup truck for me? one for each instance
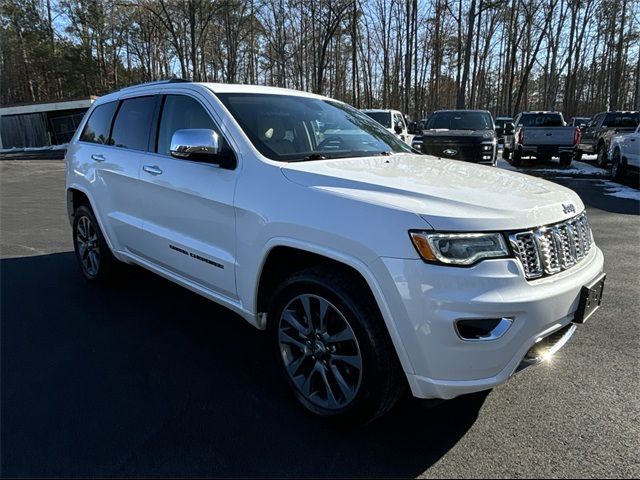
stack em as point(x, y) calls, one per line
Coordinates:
point(467, 135)
point(597, 134)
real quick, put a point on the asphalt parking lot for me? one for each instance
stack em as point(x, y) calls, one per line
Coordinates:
point(144, 378)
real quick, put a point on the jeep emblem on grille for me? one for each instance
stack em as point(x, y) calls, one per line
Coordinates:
point(450, 152)
point(568, 208)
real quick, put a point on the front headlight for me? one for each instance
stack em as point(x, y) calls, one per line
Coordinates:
point(459, 248)
point(487, 147)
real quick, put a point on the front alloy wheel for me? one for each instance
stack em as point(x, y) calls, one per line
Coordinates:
point(320, 352)
point(333, 346)
point(617, 167)
point(602, 157)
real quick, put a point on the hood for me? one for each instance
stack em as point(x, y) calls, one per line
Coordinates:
point(459, 135)
point(450, 195)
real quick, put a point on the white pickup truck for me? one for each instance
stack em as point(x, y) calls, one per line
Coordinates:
point(542, 135)
point(373, 270)
point(392, 120)
point(624, 153)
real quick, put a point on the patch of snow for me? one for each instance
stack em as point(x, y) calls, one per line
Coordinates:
point(62, 146)
point(620, 191)
point(577, 168)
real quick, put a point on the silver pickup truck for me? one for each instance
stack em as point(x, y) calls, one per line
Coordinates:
point(542, 135)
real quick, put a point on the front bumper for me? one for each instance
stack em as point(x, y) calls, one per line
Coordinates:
point(467, 152)
point(546, 150)
point(426, 300)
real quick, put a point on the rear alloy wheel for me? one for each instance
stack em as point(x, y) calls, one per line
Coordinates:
point(602, 157)
point(617, 166)
point(96, 261)
point(333, 346)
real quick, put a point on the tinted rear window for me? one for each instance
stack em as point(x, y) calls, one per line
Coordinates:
point(133, 123)
point(622, 120)
point(97, 127)
point(541, 120)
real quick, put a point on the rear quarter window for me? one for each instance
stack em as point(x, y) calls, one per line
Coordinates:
point(96, 130)
point(133, 123)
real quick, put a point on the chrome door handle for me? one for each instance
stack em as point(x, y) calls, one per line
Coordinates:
point(97, 158)
point(152, 169)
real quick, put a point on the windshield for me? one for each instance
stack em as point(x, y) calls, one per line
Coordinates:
point(383, 118)
point(460, 121)
point(541, 120)
point(290, 128)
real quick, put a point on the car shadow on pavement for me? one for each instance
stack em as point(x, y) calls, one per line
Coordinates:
point(144, 378)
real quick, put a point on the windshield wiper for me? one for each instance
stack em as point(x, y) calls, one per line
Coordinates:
point(314, 156)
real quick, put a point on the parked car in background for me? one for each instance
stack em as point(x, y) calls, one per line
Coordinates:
point(541, 135)
point(467, 135)
point(392, 120)
point(579, 121)
point(597, 134)
point(624, 153)
point(372, 271)
point(501, 123)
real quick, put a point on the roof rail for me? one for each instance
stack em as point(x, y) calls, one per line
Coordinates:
point(157, 82)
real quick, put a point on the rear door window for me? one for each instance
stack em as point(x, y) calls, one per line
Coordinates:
point(133, 123)
point(96, 130)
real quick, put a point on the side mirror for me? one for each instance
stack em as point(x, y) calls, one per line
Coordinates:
point(200, 144)
point(398, 128)
point(509, 128)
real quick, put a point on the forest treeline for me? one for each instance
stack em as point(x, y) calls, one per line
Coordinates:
point(576, 56)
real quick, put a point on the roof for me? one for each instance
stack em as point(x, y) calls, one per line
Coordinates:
point(47, 106)
point(381, 110)
point(461, 110)
point(160, 86)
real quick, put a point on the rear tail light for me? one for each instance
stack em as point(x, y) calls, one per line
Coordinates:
point(576, 136)
point(521, 135)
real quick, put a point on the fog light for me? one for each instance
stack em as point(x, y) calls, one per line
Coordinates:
point(482, 329)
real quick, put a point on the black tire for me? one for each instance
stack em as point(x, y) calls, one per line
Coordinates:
point(505, 154)
point(577, 154)
point(618, 168)
point(86, 231)
point(603, 160)
point(380, 381)
point(565, 159)
point(516, 158)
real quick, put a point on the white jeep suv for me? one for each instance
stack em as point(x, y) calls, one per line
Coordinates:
point(373, 269)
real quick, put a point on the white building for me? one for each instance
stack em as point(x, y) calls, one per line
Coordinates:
point(41, 124)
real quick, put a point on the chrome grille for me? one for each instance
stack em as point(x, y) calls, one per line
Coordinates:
point(554, 248)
